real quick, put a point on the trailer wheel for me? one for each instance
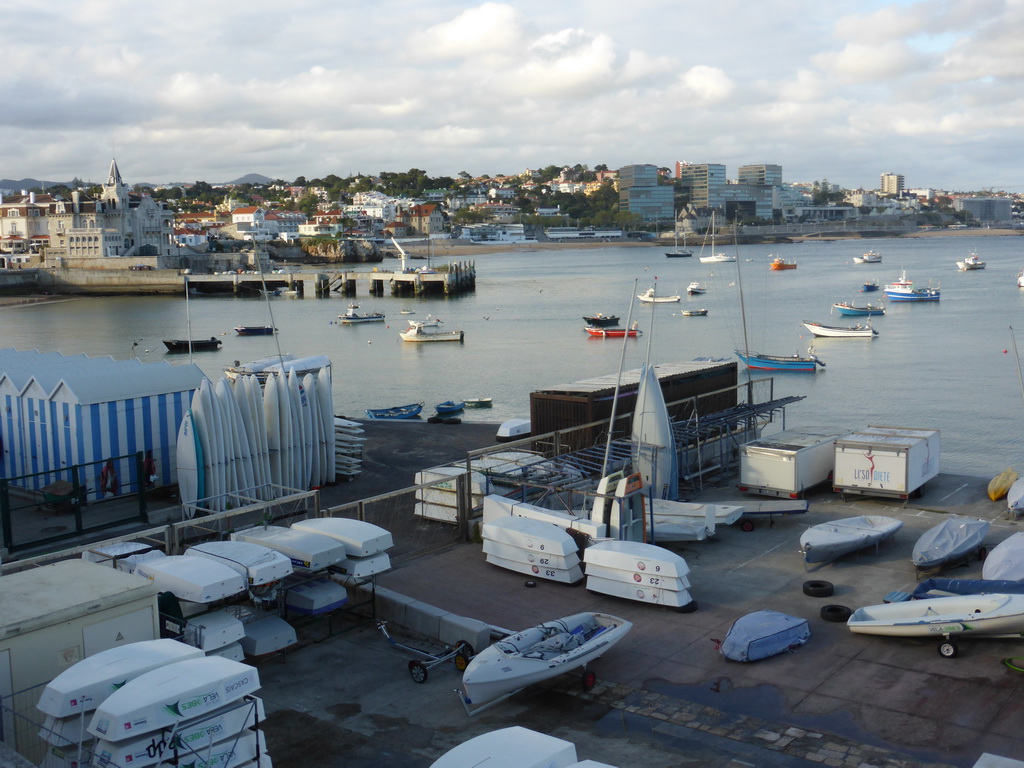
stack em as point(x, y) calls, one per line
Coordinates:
point(818, 588)
point(835, 613)
point(948, 649)
point(463, 653)
point(417, 672)
point(588, 680)
point(747, 526)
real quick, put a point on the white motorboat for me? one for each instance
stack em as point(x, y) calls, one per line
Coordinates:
point(825, 542)
point(870, 257)
point(352, 317)
point(992, 615)
point(970, 262)
point(84, 686)
point(650, 296)
point(539, 653)
point(418, 332)
point(696, 288)
point(172, 695)
point(949, 542)
point(857, 331)
point(191, 578)
point(1006, 560)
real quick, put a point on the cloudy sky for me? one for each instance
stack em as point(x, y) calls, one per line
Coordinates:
point(190, 90)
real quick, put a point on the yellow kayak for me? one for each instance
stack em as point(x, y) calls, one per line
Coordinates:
point(1000, 484)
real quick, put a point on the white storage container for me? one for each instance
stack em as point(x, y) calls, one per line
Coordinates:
point(787, 463)
point(886, 461)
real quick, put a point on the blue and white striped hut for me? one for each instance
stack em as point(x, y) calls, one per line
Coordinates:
point(61, 410)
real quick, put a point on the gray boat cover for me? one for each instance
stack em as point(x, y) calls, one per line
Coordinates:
point(762, 634)
point(950, 540)
point(929, 587)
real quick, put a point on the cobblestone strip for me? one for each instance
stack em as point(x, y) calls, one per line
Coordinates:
point(825, 749)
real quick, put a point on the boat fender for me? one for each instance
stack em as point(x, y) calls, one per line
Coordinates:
point(818, 588)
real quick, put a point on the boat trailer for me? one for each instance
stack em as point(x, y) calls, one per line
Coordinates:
point(460, 655)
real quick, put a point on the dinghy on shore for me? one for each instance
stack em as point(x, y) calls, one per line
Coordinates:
point(993, 615)
point(825, 542)
point(951, 541)
point(537, 654)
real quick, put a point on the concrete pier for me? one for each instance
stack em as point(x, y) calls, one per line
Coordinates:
point(448, 280)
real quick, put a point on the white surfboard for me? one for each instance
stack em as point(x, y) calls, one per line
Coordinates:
point(259, 424)
point(240, 392)
point(272, 425)
point(284, 402)
point(303, 424)
point(190, 461)
point(84, 686)
point(244, 476)
point(172, 695)
point(316, 432)
point(325, 399)
point(206, 427)
point(218, 444)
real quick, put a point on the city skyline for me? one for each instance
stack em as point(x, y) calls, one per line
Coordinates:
point(201, 92)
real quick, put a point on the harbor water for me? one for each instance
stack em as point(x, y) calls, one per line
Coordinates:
point(947, 365)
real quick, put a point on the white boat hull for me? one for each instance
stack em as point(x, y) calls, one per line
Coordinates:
point(526, 658)
point(87, 684)
point(514, 747)
point(191, 578)
point(359, 537)
point(258, 564)
point(307, 551)
point(992, 614)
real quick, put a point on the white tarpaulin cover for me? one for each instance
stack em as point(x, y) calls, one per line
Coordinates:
point(762, 634)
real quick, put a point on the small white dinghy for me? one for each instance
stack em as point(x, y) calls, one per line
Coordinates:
point(307, 551)
point(641, 572)
point(537, 654)
point(825, 542)
point(951, 541)
point(195, 579)
point(1006, 560)
point(172, 695)
point(514, 747)
point(258, 564)
point(532, 547)
point(993, 615)
point(82, 687)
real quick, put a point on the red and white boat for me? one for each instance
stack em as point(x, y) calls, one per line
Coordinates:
point(611, 333)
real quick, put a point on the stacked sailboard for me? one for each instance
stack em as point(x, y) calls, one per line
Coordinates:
point(243, 441)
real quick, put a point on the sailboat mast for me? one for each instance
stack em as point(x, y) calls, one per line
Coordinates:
point(743, 308)
point(618, 385)
point(188, 321)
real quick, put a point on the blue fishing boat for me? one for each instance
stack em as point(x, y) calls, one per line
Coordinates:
point(904, 290)
point(851, 310)
point(759, 361)
point(410, 411)
point(254, 330)
point(869, 286)
point(449, 406)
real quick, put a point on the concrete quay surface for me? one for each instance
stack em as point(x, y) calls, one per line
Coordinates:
point(666, 697)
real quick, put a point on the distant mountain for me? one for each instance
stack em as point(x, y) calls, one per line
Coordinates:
point(251, 178)
point(20, 184)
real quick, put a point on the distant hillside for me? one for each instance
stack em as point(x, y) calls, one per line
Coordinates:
point(20, 184)
point(251, 178)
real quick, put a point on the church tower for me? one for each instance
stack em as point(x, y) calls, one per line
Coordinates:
point(115, 191)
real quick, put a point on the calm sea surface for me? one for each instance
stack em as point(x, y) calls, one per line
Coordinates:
point(946, 365)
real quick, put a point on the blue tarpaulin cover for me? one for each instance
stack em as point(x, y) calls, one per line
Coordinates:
point(762, 634)
point(967, 587)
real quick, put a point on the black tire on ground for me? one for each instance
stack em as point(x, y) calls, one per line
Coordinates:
point(835, 613)
point(747, 525)
point(948, 649)
point(818, 588)
point(690, 607)
point(417, 672)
